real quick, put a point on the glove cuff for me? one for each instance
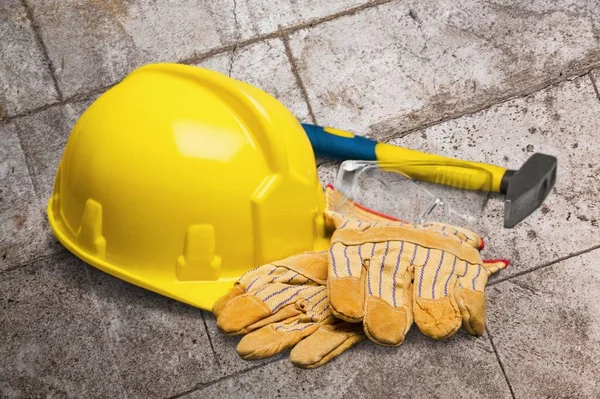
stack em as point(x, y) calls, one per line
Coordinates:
point(424, 238)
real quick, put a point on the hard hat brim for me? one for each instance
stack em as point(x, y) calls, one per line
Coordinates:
point(200, 294)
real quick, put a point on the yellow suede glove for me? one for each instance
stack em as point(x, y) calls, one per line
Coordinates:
point(372, 267)
point(449, 283)
point(281, 304)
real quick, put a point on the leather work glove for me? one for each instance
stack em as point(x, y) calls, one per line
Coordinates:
point(286, 303)
point(281, 304)
point(373, 266)
point(449, 283)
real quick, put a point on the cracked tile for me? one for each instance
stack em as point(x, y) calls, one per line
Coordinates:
point(595, 74)
point(413, 62)
point(160, 346)
point(561, 120)
point(25, 81)
point(266, 66)
point(53, 343)
point(24, 234)
point(545, 328)
point(460, 367)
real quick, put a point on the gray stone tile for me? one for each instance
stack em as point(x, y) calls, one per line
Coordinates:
point(561, 120)
point(394, 67)
point(53, 342)
point(160, 346)
point(24, 234)
point(264, 16)
point(25, 81)
point(43, 136)
point(93, 45)
point(545, 327)
point(266, 66)
point(16, 184)
point(460, 367)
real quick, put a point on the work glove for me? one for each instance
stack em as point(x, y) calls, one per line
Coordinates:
point(387, 274)
point(284, 304)
point(449, 282)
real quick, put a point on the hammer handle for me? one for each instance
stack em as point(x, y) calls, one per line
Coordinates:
point(342, 145)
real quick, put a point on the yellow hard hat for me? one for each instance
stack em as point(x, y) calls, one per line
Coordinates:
point(180, 179)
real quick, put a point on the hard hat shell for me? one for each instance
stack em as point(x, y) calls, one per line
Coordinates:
point(180, 179)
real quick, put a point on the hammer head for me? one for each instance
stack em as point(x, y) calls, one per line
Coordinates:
point(528, 187)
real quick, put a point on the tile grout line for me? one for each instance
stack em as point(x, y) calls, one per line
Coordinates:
point(237, 39)
point(194, 59)
point(34, 111)
point(311, 23)
point(499, 101)
point(594, 85)
point(70, 100)
point(315, 22)
point(212, 347)
point(512, 392)
point(288, 51)
point(544, 265)
point(104, 323)
point(38, 37)
point(468, 112)
point(237, 373)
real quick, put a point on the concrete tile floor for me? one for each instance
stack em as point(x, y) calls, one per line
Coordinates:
point(486, 81)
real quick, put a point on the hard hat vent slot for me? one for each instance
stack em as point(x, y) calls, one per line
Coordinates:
point(89, 235)
point(199, 261)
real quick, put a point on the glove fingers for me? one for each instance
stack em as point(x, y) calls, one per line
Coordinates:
point(272, 339)
point(302, 317)
point(435, 310)
point(271, 304)
point(470, 294)
point(388, 313)
point(385, 324)
point(494, 265)
point(326, 343)
point(346, 281)
point(437, 318)
point(244, 305)
point(472, 308)
point(252, 281)
point(247, 313)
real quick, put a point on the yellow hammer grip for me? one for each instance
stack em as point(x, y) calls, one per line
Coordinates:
point(443, 170)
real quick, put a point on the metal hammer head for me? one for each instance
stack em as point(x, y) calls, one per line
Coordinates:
point(527, 187)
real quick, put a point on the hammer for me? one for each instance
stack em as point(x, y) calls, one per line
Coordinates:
point(525, 189)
